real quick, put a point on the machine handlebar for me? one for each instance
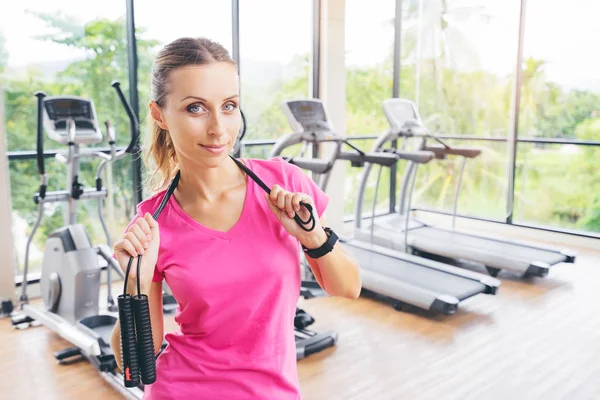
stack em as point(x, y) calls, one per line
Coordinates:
point(110, 132)
point(135, 125)
point(40, 132)
point(414, 129)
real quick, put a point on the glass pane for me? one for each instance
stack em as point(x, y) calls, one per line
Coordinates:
point(69, 48)
point(76, 52)
point(369, 64)
point(275, 62)
point(483, 187)
point(458, 62)
point(560, 90)
point(559, 185)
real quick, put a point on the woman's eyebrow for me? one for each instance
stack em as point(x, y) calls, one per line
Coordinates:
point(204, 100)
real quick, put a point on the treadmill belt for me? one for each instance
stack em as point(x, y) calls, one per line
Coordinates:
point(483, 245)
point(419, 275)
point(393, 222)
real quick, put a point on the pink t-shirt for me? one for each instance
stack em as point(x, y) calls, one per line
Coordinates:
point(236, 292)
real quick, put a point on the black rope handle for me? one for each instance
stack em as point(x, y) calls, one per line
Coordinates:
point(129, 354)
point(137, 342)
point(301, 223)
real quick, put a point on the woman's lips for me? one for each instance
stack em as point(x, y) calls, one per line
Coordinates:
point(214, 148)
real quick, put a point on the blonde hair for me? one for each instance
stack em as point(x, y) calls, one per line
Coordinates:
point(161, 157)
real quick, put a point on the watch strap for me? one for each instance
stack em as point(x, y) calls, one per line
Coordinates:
point(325, 248)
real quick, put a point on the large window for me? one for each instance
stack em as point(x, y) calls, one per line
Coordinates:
point(458, 62)
point(63, 47)
point(560, 98)
point(275, 52)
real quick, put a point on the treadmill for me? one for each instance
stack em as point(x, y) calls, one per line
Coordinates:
point(396, 276)
point(399, 231)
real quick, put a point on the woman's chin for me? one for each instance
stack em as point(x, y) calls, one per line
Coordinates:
point(215, 160)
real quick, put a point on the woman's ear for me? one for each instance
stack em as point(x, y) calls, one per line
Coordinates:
point(157, 115)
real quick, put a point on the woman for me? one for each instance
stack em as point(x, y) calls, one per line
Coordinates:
point(227, 249)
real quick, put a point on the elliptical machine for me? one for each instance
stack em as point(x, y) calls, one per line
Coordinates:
point(71, 270)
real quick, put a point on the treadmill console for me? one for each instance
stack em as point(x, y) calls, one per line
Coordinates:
point(400, 112)
point(307, 116)
point(59, 109)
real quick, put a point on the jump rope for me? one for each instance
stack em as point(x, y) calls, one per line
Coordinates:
point(137, 344)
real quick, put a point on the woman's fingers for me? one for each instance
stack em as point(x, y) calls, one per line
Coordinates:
point(140, 234)
point(143, 224)
point(289, 205)
point(296, 199)
point(153, 225)
point(138, 246)
point(288, 202)
point(124, 245)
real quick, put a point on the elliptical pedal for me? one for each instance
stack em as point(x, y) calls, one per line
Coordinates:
point(22, 321)
point(66, 356)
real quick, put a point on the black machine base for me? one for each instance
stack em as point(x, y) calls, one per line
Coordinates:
point(302, 320)
point(311, 289)
point(6, 309)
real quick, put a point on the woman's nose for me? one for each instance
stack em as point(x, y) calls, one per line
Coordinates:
point(216, 127)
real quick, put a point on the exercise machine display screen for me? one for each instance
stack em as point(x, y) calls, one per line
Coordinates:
point(68, 108)
point(401, 112)
point(60, 109)
point(310, 115)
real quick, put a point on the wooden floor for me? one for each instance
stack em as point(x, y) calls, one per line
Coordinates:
point(536, 339)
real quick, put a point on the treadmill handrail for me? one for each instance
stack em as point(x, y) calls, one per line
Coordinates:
point(315, 165)
point(419, 156)
point(319, 166)
point(387, 158)
point(441, 151)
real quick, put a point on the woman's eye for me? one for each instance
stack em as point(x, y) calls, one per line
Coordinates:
point(229, 107)
point(194, 108)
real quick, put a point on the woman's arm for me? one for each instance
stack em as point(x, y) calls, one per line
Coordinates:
point(336, 272)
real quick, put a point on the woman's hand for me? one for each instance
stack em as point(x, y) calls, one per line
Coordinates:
point(142, 238)
point(285, 204)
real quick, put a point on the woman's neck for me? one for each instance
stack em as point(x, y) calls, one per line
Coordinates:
point(206, 184)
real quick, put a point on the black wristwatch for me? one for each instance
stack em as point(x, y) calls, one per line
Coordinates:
point(327, 247)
